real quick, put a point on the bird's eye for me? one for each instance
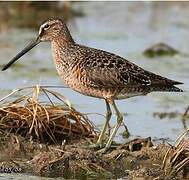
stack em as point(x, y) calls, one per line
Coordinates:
point(46, 26)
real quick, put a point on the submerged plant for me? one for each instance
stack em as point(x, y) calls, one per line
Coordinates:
point(160, 49)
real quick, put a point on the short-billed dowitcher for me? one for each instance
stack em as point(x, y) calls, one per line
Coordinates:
point(96, 73)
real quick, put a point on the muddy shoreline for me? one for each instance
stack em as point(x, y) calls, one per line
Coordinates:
point(73, 159)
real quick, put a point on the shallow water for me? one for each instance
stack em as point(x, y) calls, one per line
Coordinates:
point(124, 28)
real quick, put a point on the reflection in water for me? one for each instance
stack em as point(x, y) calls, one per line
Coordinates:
point(125, 28)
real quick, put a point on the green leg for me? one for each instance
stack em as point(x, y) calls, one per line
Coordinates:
point(108, 116)
point(119, 122)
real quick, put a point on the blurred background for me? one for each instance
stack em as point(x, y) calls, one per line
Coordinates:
point(124, 28)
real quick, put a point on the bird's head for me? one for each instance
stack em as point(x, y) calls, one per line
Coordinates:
point(53, 29)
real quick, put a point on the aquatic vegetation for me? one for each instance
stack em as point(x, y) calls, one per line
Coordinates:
point(160, 49)
point(169, 115)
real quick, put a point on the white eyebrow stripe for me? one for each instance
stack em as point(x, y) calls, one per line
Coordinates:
point(42, 26)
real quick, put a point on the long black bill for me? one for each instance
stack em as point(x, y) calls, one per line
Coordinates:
point(20, 54)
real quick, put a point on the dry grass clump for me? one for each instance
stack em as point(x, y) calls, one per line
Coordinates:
point(29, 116)
point(177, 157)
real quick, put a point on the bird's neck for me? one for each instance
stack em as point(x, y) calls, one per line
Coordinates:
point(63, 40)
point(63, 37)
point(61, 49)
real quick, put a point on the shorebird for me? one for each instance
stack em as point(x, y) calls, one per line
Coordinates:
point(96, 73)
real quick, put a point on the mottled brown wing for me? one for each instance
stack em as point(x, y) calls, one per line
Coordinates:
point(109, 70)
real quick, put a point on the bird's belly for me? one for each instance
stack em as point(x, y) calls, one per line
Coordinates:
point(88, 90)
point(127, 95)
point(105, 93)
point(92, 91)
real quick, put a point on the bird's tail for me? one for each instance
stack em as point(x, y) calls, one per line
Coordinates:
point(167, 85)
point(170, 88)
